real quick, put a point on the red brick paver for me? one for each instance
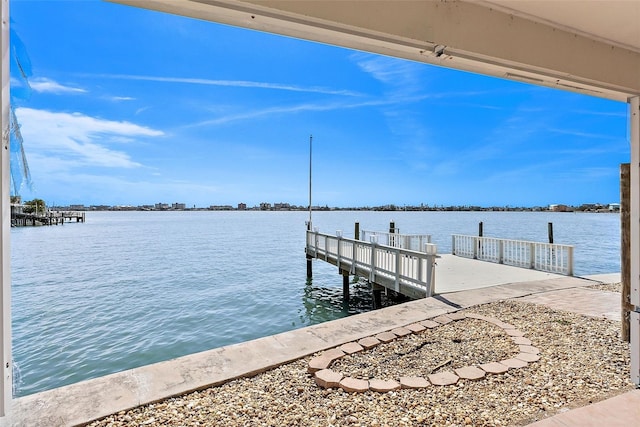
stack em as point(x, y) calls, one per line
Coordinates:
point(416, 327)
point(353, 385)
point(351, 347)
point(528, 357)
point(429, 324)
point(514, 363)
point(383, 386)
point(386, 336)
point(414, 382)
point(443, 378)
point(494, 368)
point(401, 332)
point(369, 342)
point(470, 373)
point(327, 378)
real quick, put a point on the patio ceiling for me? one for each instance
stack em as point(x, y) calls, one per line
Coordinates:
point(588, 46)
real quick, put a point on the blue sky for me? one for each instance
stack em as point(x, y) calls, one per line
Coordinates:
point(130, 106)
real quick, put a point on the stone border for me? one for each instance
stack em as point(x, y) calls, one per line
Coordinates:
point(327, 378)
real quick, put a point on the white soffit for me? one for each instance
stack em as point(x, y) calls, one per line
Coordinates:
point(586, 46)
point(616, 22)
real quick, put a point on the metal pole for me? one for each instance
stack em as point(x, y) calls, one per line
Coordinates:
point(5, 226)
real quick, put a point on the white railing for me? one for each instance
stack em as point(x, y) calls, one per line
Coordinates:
point(414, 242)
point(387, 266)
point(549, 257)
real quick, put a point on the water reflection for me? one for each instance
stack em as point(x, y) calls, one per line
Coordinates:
point(321, 303)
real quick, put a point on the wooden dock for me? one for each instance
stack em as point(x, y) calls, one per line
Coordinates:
point(20, 219)
point(402, 266)
point(405, 271)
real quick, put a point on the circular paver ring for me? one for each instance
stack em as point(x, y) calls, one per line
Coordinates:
point(327, 378)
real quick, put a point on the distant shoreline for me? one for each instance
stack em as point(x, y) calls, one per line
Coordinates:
point(611, 208)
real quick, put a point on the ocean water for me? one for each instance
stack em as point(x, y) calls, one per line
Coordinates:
point(126, 289)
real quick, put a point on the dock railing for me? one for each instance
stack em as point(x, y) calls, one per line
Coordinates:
point(408, 272)
point(414, 242)
point(549, 257)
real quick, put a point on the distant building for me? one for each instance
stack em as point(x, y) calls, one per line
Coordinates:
point(614, 207)
point(558, 208)
point(99, 207)
point(242, 206)
point(162, 206)
point(179, 206)
point(77, 208)
point(590, 207)
point(282, 206)
point(265, 206)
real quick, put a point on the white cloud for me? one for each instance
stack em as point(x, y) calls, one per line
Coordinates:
point(235, 83)
point(390, 71)
point(77, 139)
point(51, 86)
point(254, 114)
point(122, 98)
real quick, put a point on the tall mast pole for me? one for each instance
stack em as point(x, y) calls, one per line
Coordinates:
point(310, 147)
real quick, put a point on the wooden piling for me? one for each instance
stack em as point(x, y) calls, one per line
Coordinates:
point(550, 232)
point(345, 285)
point(309, 259)
point(356, 231)
point(392, 230)
point(377, 298)
point(625, 248)
point(480, 231)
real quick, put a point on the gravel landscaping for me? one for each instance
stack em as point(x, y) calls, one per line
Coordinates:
point(582, 360)
point(610, 287)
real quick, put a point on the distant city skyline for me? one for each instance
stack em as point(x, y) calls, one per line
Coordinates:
point(163, 107)
point(283, 206)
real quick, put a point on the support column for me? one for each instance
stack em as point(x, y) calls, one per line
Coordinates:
point(345, 285)
point(5, 226)
point(309, 259)
point(377, 297)
point(634, 118)
point(392, 230)
point(625, 258)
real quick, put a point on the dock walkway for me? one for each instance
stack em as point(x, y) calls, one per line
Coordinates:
point(92, 399)
point(420, 272)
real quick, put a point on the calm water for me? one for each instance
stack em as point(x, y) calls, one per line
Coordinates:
point(127, 289)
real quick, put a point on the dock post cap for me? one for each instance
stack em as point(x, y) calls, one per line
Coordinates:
point(430, 248)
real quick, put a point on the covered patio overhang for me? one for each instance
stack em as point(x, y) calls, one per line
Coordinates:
point(591, 47)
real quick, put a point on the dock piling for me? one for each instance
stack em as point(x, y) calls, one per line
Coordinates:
point(345, 285)
point(309, 258)
point(377, 296)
